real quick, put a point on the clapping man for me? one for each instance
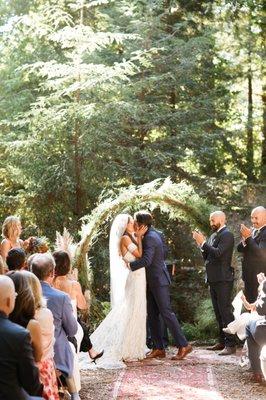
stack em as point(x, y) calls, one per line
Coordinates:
point(253, 248)
point(217, 253)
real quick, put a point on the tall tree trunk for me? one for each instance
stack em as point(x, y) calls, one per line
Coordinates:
point(78, 164)
point(263, 145)
point(250, 138)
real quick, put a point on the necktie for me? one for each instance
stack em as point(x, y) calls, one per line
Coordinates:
point(255, 233)
point(212, 238)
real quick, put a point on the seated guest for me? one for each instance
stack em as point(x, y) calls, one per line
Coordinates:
point(256, 335)
point(19, 376)
point(11, 231)
point(16, 259)
point(42, 265)
point(45, 318)
point(263, 361)
point(24, 311)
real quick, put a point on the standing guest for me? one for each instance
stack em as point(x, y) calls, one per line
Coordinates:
point(45, 318)
point(73, 288)
point(24, 311)
point(11, 232)
point(217, 253)
point(253, 249)
point(16, 259)
point(256, 336)
point(19, 376)
point(42, 265)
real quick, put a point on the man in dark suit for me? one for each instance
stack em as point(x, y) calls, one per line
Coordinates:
point(253, 248)
point(19, 376)
point(65, 323)
point(217, 253)
point(158, 296)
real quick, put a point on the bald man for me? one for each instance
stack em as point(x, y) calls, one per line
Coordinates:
point(217, 253)
point(19, 376)
point(253, 249)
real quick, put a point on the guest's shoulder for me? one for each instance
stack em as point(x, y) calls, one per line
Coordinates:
point(14, 330)
point(50, 291)
point(227, 232)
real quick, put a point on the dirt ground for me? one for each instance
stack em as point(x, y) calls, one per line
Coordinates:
point(202, 376)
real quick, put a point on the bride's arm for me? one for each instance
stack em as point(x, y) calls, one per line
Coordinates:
point(126, 241)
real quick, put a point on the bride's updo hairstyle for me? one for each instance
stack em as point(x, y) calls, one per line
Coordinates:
point(62, 263)
point(143, 218)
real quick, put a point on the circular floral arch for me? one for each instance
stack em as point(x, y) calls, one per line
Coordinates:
point(178, 200)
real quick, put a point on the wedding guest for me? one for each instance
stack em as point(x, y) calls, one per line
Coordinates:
point(253, 249)
point(19, 376)
point(24, 311)
point(73, 288)
point(45, 318)
point(16, 259)
point(256, 336)
point(34, 245)
point(42, 265)
point(217, 253)
point(11, 232)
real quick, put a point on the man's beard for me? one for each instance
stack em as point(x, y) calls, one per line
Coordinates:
point(215, 228)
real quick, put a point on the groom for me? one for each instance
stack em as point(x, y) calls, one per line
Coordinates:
point(158, 296)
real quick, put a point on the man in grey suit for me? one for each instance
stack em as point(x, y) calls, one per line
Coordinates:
point(253, 249)
point(65, 323)
point(19, 376)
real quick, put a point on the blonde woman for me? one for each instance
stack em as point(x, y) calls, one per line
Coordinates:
point(11, 232)
point(45, 318)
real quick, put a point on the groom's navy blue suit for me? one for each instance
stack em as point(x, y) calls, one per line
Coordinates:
point(158, 296)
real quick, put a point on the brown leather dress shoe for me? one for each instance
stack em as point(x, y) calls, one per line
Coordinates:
point(182, 352)
point(257, 378)
point(227, 351)
point(156, 353)
point(217, 346)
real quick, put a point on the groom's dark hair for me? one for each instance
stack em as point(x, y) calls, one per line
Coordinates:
point(143, 218)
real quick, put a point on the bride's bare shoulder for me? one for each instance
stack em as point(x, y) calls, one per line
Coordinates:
point(125, 240)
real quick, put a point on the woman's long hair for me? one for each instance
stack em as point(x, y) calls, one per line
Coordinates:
point(24, 305)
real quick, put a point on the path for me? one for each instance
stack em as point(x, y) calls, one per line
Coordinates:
point(202, 376)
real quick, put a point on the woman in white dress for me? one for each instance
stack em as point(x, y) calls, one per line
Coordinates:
point(122, 333)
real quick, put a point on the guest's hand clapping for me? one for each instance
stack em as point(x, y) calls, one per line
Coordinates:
point(245, 231)
point(199, 237)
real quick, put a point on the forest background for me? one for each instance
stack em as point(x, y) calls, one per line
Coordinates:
point(99, 95)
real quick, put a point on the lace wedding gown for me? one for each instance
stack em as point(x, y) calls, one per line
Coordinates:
point(122, 334)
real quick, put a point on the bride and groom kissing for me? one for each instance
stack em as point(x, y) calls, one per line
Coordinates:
point(139, 294)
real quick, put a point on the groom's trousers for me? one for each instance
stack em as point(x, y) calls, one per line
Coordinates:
point(158, 302)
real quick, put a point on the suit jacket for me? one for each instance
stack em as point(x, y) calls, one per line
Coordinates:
point(218, 256)
point(65, 325)
point(17, 368)
point(254, 255)
point(154, 254)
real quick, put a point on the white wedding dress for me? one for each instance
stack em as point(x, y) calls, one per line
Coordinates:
point(122, 334)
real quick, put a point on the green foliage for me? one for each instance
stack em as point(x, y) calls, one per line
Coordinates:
point(205, 326)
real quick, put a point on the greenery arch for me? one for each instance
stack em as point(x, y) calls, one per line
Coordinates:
point(179, 200)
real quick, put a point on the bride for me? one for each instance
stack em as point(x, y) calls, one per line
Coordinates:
point(122, 334)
